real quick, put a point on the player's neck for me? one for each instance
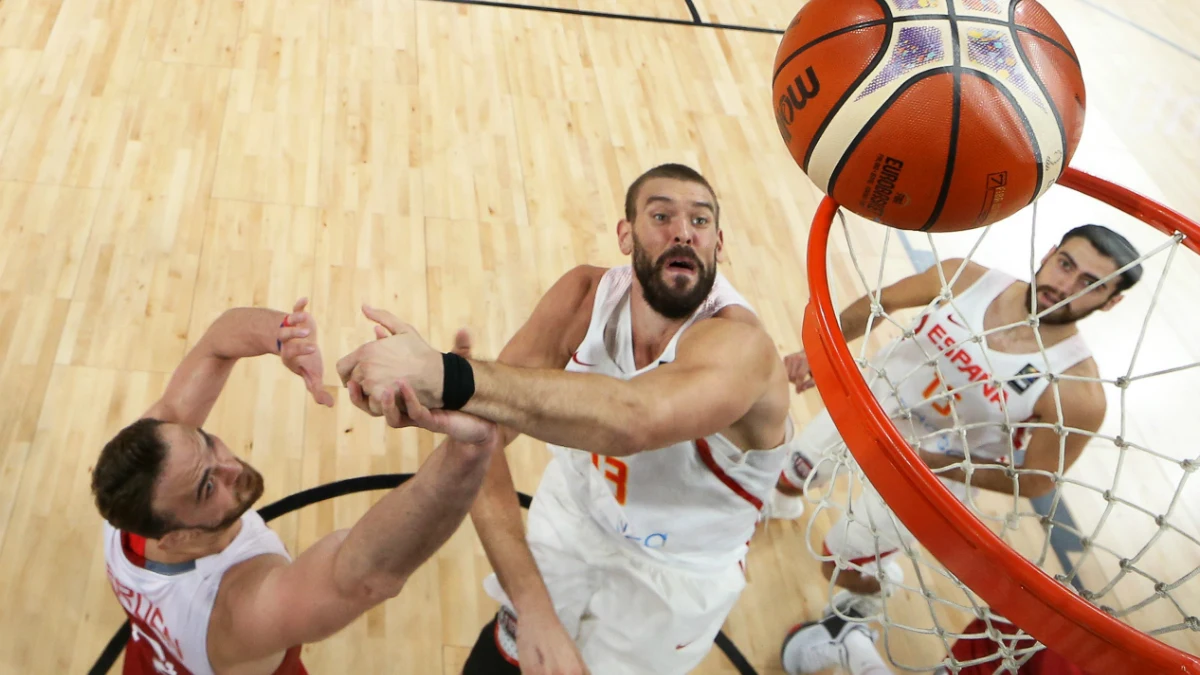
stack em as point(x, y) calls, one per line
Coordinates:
point(652, 332)
point(199, 547)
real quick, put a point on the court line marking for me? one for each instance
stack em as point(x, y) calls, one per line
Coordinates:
point(610, 15)
point(1174, 45)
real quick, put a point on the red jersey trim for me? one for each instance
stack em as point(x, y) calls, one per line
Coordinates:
point(134, 547)
point(706, 456)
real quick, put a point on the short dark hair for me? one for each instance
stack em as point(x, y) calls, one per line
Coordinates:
point(124, 478)
point(675, 171)
point(1113, 246)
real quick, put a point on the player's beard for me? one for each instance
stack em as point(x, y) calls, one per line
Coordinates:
point(672, 300)
point(248, 489)
point(1061, 316)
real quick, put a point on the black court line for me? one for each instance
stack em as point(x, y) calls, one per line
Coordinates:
point(1174, 45)
point(608, 15)
point(692, 8)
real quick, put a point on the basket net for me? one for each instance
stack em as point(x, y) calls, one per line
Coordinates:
point(1104, 569)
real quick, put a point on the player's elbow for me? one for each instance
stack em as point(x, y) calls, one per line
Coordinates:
point(380, 588)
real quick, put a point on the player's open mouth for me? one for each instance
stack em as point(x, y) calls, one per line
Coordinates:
point(1048, 299)
point(681, 264)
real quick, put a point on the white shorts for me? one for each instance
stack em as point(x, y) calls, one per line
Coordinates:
point(628, 614)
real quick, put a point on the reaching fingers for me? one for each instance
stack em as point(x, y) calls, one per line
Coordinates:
point(385, 319)
point(418, 413)
point(293, 332)
point(300, 304)
point(297, 318)
point(347, 364)
point(357, 397)
point(462, 343)
point(381, 333)
point(322, 397)
point(394, 410)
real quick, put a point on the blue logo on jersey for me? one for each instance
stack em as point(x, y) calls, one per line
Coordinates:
point(1022, 384)
point(656, 540)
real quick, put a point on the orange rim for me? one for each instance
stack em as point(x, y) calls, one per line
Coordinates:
point(1010, 584)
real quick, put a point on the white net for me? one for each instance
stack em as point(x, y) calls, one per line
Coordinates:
point(1120, 525)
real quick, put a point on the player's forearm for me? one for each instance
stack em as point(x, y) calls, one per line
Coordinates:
point(244, 332)
point(497, 519)
point(990, 476)
point(595, 413)
point(413, 521)
point(854, 319)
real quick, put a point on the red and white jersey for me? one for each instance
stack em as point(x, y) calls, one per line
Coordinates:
point(693, 503)
point(988, 387)
point(169, 604)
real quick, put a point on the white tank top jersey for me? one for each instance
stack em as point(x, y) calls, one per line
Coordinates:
point(695, 503)
point(988, 386)
point(169, 605)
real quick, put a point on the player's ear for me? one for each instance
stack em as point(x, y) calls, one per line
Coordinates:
point(721, 257)
point(625, 236)
point(1112, 302)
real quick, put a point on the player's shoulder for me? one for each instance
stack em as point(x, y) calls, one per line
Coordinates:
point(971, 272)
point(577, 286)
point(735, 327)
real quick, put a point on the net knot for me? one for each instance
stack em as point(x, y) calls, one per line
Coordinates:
point(1120, 442)
point(1192, 623)
point(1188, 465)
point(1122, 382)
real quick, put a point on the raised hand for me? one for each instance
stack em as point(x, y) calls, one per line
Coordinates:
point(799, 372)
point(398, 354)
point(299, 351)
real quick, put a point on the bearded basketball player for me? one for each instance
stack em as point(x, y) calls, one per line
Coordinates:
point(208, 588)
point(665, 406)
point(947, 380)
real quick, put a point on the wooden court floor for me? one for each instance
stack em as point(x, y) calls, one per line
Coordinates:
point(164, 160)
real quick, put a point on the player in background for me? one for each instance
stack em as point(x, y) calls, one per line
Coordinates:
point(943, 379)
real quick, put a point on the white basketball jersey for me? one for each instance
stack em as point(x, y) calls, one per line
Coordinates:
point(987, 386)
point(169, 605)
point(693, 503)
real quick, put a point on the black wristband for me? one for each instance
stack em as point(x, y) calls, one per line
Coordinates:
point(458, 381)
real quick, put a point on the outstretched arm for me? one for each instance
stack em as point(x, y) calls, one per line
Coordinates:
point(266, 605)
point(722, 368)
point(238, 333)
point(917, 290)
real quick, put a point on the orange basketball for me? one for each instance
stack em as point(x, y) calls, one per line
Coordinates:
point(933, 115)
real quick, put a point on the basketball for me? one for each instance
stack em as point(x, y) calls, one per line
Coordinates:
point(930, 115)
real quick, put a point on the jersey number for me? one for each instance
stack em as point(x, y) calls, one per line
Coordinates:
point(161, 664)
point(616, 471)
point(944, 408)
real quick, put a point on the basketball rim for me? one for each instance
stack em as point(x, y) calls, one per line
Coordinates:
point(1013, 586)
